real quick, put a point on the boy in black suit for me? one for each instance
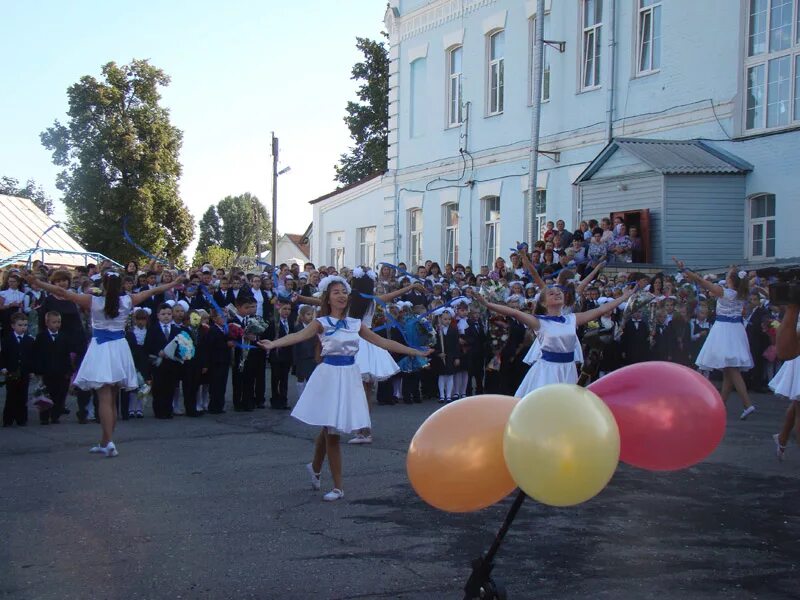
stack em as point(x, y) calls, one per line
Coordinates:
point(636, 340)
point(52, 362)
point(221, 295)
point(218, 363)
point(280, 359)
point(165, 375)
point(244, 380)
point(16, 362)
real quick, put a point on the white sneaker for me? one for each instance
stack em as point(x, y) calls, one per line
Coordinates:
point(334, 494)
point(111, 450)
point(358, 439)
point(98, 449)
point(780, 451)
point(747, 412)
point(315, 477)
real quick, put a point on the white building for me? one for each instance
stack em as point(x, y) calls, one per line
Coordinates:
point(726, 72)
point(293, 248)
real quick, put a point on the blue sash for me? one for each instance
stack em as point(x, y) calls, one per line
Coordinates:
point(337, 360)
point(722, 319)
point(558, 357)
point(106, 335)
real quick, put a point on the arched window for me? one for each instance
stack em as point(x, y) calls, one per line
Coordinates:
point(455, 114)
point(496, 54)
point(491, 229)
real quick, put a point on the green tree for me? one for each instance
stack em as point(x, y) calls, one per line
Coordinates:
point(368, 118)
point(35, 193)
point(120, 158)
point(245, 221)
point(210, 230)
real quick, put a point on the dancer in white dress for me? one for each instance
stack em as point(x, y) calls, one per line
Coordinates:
point(108, 365)
point(374, 363)
point(557, 335)
point(786, 383)
point(334, 396)
point(726, 347)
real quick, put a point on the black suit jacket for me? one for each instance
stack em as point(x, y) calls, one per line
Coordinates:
point(217, 352)
point(17, 357)
point(221, 298)
point(275, 331)
point(139, 353)
point(155, 340)
point(51, 358)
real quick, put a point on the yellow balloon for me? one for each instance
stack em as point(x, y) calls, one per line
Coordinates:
point(561, 445)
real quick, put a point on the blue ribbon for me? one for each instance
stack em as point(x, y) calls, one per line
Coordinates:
point(337, 360)
point(558, 357)
point(210, 298)
point(392, 321)
point(129, 239)
point(549, 318)
point(402, 271)
point(340, 324)
point(107, 335)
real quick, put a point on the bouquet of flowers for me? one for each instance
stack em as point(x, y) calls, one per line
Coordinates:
point(498, 336)
point(181, 348)
point(637, 302)
point(143, 391)
point(41, 400)
point(255, 327)
point(494, 291)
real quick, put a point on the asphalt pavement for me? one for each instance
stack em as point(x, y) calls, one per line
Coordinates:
point(221, 507)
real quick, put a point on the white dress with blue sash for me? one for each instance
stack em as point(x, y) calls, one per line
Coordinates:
point(558, 342)
point(375, 363)
point(334, 394)
point(108, 359)
point(726, 344)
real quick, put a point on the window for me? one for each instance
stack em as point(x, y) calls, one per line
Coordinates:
point(366, 246)
point(415, 237)
point(418, 92)
point(545, 63)
point(455, 114)
point(592, 24)
point(539, 216)
point(762, 226)
point(771, 66)
point(491, 229)
point(336, 245)
point(649, 37)
point(497, 44)
point(450, 233)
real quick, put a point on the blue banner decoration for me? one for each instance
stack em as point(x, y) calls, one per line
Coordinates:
point(129, 239)
point(402, 272)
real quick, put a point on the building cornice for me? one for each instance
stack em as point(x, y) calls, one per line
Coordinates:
point(432, 16)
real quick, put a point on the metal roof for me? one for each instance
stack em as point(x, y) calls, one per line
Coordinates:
point(672, 157)
point(21, 229)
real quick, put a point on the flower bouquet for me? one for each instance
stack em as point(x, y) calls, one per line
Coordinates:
point(180, 348)
point(494, 291)
point(255, 327)
point(41, 400)
point(143, 391)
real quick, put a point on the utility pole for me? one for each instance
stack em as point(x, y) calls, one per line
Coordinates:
point(533, 169)
point(274, 244)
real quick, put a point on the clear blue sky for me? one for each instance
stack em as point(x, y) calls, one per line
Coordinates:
point(239, 70)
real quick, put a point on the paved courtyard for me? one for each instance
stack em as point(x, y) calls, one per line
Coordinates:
point(220, 507)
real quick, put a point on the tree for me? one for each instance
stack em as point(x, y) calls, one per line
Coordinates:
point(210, 230)
point(120, 158)
point(367, 119)
point(245, 221)
point(35, 193)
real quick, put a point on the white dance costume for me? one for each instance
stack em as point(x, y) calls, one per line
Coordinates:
point(334, 395)
point(108, 359)
point(535, 351)
point(726, 344)
point(787, 380)
point(558, 342)
point(375, 363)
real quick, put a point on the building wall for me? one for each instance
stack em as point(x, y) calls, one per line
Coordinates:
point(696, 93)
point(704, 219)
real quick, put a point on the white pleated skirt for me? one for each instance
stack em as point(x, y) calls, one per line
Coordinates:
point(334, 397)
point(726, 346)
point(544, 373)
point(787, 380)
point(375, 364)
point(107, 364)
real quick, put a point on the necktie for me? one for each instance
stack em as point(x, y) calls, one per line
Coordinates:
point(166, 331)
point(285, 326)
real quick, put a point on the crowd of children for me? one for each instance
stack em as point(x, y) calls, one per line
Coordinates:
point(488, 328)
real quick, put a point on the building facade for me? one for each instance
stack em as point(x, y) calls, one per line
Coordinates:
point(726, 72)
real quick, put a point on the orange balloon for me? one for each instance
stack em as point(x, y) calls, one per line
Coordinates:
point(455, 461)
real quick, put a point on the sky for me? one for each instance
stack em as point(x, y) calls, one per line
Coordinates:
point(239, 69)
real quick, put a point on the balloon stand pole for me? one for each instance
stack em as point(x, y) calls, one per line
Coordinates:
point(480, 583)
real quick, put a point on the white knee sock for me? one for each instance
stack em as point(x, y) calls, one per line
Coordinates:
point(397, 387)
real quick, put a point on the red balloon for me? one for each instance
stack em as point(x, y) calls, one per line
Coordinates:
point(669, 416)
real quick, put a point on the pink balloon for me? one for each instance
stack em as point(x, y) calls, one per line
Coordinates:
point(669, 416)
